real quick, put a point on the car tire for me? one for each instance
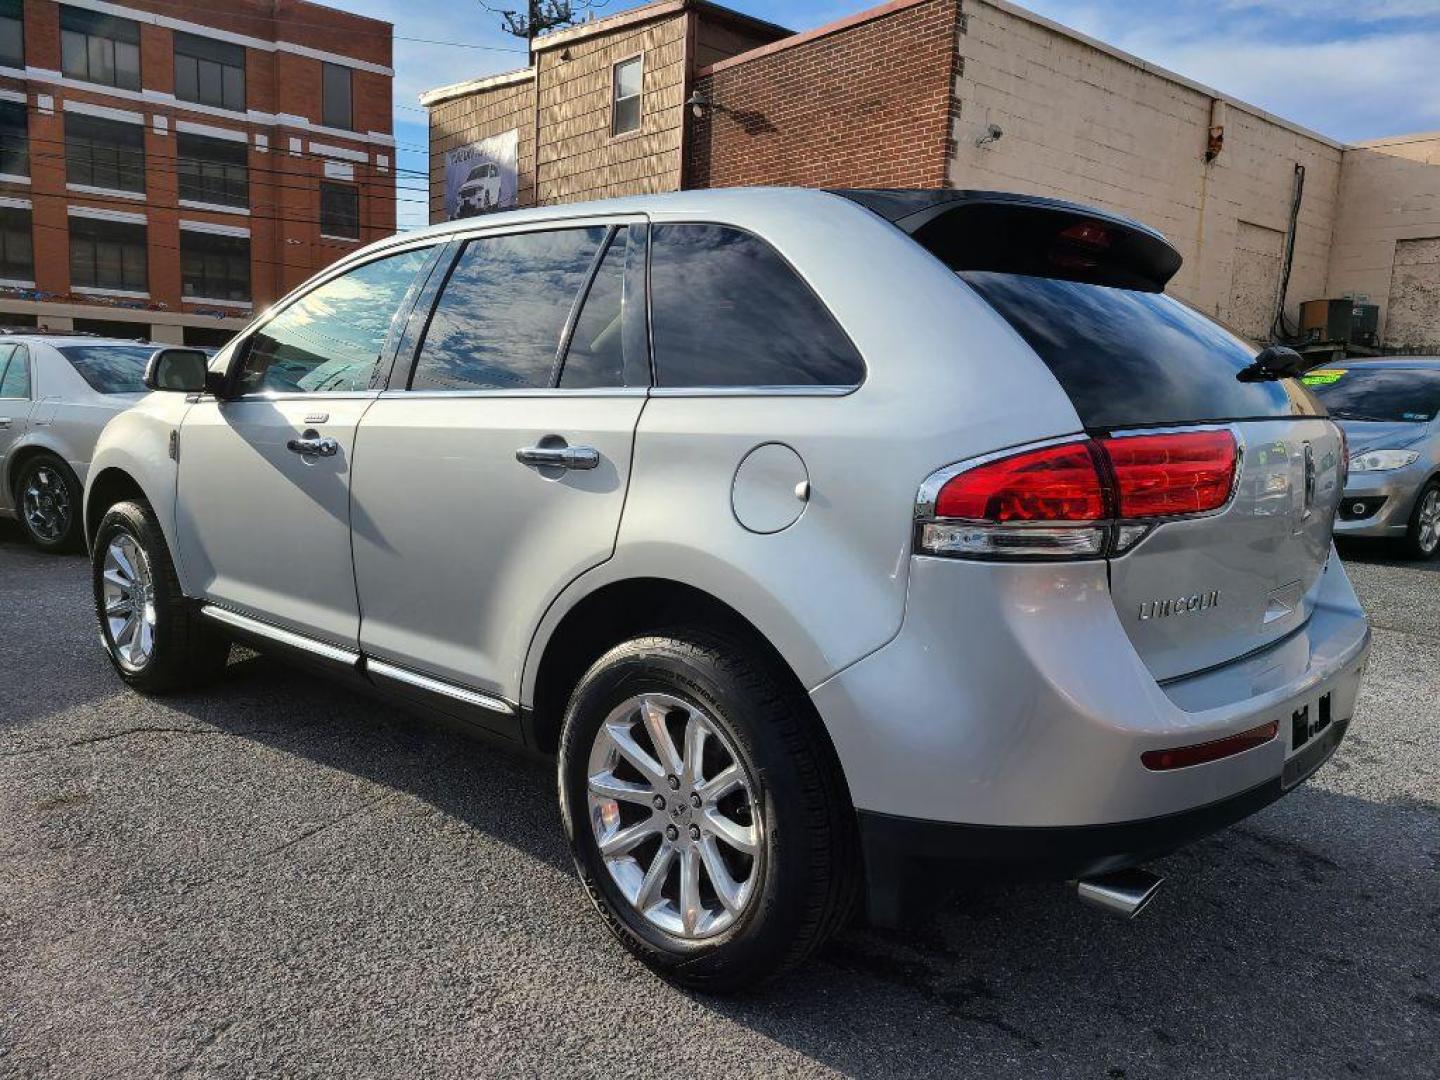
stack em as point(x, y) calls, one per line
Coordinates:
point(47, 502)
point(153, 633)
point(773, 785)
point(1422, 539)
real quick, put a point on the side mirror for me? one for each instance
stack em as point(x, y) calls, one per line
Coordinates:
point(178, 370)
point(1277, 362)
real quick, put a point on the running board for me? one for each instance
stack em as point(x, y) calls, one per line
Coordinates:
point(438, 686)
point(254, 628)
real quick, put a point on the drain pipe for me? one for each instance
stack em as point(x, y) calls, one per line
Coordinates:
point(1125, 893)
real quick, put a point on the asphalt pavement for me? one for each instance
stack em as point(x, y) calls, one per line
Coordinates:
point(281, 878)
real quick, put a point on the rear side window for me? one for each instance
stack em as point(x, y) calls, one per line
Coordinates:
point(595, 356)
point(499, 320)
point(110, 369)
point(1128, 358)
point(14, 377)
point(727, 310)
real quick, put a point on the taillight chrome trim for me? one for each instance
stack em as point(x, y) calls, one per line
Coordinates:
point(1115, 543)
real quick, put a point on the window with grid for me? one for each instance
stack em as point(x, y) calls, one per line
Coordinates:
point(339, 210)
point(17, 251)
point(14, 139)
point(104, 153)
point(107, 255)
point(99, 48)
point(12, 33)
point(335, 93)
point(626, 78)
point(214, 267)
point(209, 72)
point(213, 170)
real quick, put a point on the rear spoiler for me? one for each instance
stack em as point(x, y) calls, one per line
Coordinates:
point(1026, 234)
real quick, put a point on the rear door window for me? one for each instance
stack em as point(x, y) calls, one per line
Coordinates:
point(1130, 358)
point(499, 322)
point(727, 310)
point(595, 356)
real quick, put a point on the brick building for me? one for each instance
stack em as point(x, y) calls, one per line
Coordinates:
point(166, 168)
point(970, 94)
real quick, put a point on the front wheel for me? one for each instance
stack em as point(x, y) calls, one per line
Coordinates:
point(707, 818)
point(1423, 539)
point(47, 495)
point(152, 633)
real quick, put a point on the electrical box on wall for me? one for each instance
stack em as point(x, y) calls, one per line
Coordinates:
point(1342, 322)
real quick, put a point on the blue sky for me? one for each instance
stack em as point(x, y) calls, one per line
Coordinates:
point(1352, 69)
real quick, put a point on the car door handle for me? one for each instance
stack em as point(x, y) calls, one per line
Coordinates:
point(559, 457)
point(4, 421)
point(313, 444)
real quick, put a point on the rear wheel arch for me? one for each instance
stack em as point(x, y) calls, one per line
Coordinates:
point(22, 456)
point(632, 607)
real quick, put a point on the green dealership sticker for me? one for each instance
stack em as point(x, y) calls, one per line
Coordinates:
point(1322, 376)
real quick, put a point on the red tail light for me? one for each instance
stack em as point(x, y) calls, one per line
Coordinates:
point(1084, 498)
point(1057, 483)
point(1188, 472)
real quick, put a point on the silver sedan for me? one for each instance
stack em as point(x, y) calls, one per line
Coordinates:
point(1390, 412)
point(56, 394)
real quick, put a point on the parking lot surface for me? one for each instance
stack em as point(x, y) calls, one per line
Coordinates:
point(279, 878)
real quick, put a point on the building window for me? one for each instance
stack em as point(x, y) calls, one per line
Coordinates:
point(335, 97)
point(14, 139)
point(107, 255)
point(104, 153)
point(17, 253)
point(214, 267)
point(340, 211)
point(215, 171)
point(625, 79)
point(209, 72)
point(12, 33)
point(100, 48)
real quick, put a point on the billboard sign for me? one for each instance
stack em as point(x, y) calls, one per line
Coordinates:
point(480, 177)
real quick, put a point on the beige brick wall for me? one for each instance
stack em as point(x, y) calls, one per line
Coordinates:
point(1387, 236)
point(579, 159)
point(1081, 122)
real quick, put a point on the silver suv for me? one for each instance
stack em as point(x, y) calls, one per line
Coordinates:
point(834, 543)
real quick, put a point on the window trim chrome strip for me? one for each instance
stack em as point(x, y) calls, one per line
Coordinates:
point(438, 686)
point(279, 635)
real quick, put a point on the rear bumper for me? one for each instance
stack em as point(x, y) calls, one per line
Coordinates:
point(1004, 725)
point(905, 858)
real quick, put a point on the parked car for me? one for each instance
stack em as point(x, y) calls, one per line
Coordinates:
point(1390, 410)
point(832, 542)
point(480, 193)
point(56, 394)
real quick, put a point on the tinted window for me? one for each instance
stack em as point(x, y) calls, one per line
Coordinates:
point(1395, 395)
point(14, 139)
point(110, 369)
point(15, 383)
point(213, 170)
point(108, 255)
point(100, 48)
point(339, 211)
point(210, 72)
point(330, 340)
point(499, 319)
point(17, 253)
point(12, 33)
point(335, 96)
point(104, 153)
point(726, 310)
point(595, 356)
point(214, 267)
point(1129, 358)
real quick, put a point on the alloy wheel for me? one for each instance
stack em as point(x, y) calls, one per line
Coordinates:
point(45, 503)
point(129, 598)
point(674, 815)
point(1429, 521)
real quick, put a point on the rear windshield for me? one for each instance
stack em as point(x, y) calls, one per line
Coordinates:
point(1391, 395)
point(110, 369)
point(1129, 358)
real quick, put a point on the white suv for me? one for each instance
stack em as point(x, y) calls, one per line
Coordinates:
point(833, 542)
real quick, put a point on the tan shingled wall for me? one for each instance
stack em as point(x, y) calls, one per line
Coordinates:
point(579, 159)
point(467, 119)
point(1080, 123)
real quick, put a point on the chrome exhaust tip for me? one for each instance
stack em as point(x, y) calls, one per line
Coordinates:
point(1124, 893)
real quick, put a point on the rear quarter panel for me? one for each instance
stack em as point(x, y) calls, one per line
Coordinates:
point(947, 379)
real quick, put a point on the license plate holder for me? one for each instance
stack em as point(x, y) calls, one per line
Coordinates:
point(1303, 765)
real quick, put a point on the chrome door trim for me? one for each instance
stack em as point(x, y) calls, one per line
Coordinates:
point(753, 391)
point(280, 636)
point(529, 392)
point(438, 686)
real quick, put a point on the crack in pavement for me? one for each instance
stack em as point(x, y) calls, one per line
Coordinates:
point(127, 732)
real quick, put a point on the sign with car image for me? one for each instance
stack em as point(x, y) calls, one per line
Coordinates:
point(481, 177)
